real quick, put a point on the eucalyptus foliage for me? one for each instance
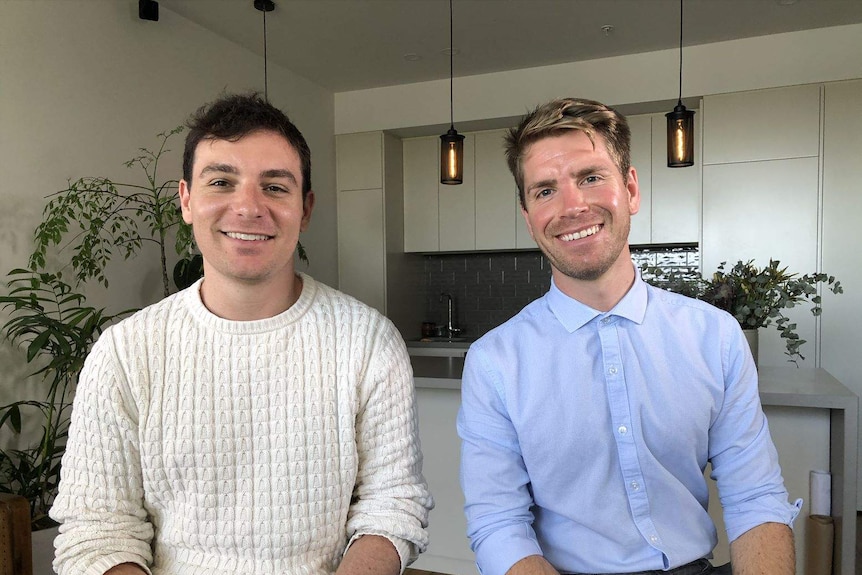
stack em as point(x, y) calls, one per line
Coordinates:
point(756, 297)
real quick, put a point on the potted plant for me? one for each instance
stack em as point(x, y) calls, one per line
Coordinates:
point(94, 218)
point(755, 296)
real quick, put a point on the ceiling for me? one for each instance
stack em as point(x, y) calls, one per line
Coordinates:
point(355, 44)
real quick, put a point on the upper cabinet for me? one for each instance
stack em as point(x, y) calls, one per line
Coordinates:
point(772, 124)
point(421, 207)
point(670, 197)
point(359, 161)
point(482, 213)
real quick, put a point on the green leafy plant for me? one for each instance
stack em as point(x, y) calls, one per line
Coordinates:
point(755, 296)
point(51, 322)
point(95, 218)
point(107, 217)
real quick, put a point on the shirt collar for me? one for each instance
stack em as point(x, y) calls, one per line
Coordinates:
point(574, 314)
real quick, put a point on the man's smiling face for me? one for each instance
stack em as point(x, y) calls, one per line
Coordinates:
point(246, 207)
point(578, 205)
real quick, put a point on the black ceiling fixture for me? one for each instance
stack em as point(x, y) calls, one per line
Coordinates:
point(680, 123)
point(148, 10)
point(265, 6)
point(451, 143)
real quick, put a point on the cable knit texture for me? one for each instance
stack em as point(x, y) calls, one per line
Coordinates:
point(206, 446)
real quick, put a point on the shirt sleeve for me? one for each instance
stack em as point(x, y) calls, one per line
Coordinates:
point(391, 498)
point(494, 478)
point(100, 499)
point(743, 456)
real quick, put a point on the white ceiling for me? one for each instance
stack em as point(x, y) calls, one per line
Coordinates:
point(355, 44)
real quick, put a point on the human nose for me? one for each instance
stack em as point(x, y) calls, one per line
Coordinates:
point(248, 201)
point(574, 200)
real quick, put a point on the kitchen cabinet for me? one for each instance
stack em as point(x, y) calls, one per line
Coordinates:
point(499, 223)
point(361, 251)
point(842, 234)
point(762, 202)
point(483, 213)
point(421, 180)
point(762, 125)
point(360, 210)
point(670, 197)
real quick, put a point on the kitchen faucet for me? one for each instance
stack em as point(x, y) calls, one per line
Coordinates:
point(450, 329)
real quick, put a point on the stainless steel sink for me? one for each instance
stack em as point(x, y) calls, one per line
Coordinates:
point(445, 339)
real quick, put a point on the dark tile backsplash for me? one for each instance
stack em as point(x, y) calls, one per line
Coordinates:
point(489, 288)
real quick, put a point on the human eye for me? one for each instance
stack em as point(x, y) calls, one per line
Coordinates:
point(592, 179)
point(543, 193)
point(219, 183)
point(275, 189)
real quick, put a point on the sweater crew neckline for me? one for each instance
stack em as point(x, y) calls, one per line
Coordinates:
point(199, 311)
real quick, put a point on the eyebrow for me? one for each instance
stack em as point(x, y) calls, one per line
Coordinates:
point(581, 173)
point(229, 169)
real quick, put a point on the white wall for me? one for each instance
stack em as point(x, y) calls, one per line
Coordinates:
point(809, 56)
point(84, 84)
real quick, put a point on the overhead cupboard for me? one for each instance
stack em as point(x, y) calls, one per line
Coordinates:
point(484, 212)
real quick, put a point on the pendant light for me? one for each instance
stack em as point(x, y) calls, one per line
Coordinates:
point(451, 143)
point(680, 123)
point(265, 6)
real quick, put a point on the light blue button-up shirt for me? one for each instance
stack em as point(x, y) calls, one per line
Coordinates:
point(585, 435)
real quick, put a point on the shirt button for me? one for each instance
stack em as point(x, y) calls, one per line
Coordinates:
point(653, 539)
point(605, 320)
point(622, 429)
point(612, 370)
point(635, 485)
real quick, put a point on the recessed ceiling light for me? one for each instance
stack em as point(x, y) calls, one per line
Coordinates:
point(607, 30)
point(412, 57)
point(452, 51)
point(786, 2)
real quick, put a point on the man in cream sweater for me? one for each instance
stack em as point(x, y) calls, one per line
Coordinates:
point(257, 422)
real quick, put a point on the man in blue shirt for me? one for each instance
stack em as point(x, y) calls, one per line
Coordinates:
point(587, 419)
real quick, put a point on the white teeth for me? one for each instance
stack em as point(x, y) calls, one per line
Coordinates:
point(581, 234)
point(247, 237)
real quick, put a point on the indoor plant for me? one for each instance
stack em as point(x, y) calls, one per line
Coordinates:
point(94, 218)
point(755, 296)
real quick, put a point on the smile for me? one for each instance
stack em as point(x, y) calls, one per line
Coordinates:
point(247, 237)
point(581, 234)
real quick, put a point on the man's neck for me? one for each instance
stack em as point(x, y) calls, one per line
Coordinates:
point(248, 302)
point(603, 293)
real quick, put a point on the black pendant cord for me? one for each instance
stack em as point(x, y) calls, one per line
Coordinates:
point(451, 72)
point(265, 78)
point(680, 51)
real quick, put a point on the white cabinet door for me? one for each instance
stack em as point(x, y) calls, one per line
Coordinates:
point(361, 250)
point(762, 125)
point(421, 179)
point(359, 160)
point(763, 210)
point(641, 153)
point(497, 209)
point(676, 192)
point(457, 206)
point(842, 235)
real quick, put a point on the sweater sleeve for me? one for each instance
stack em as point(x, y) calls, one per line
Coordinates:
point(100, 500)
point(391, 497)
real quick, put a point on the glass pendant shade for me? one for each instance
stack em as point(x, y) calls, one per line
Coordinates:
point(451, 158)
point(680, 137)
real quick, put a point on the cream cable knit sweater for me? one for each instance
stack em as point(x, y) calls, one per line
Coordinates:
point(206, 446)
